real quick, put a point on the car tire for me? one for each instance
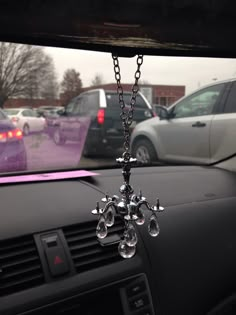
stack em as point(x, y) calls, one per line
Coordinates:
point(144, 151)
point(58, 138)
point(26, 130)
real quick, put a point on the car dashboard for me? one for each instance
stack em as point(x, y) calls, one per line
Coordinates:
point(51, 260)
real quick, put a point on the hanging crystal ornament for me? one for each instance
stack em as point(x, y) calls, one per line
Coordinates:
point(110, 217)
point(153, 227)
point(128, 206)
point(130, 236)
point(101, 230)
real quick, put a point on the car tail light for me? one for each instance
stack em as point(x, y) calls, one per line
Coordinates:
point(3, 137)
point(18, 134)
point(14, 119)
point(101, 116)
point(11, 135)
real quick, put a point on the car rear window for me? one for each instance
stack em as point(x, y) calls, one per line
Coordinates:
point(11, 111)
point(113, 100)
point(86, 104)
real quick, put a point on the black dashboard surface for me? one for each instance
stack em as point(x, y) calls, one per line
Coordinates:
point(190, 265)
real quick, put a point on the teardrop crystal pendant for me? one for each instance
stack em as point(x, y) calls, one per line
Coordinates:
point(140, 217)
point(130, 235)
point(110, 218)
point(125, 250)
point(153, 227)
point(101, 230)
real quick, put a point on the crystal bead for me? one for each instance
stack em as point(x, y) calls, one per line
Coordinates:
point(130, 235)
point(110, 218)
point(125, 250)
point(140, 217)
point(153, 227)
point(101, 230)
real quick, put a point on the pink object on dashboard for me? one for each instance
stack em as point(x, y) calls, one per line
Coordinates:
point(45, 177)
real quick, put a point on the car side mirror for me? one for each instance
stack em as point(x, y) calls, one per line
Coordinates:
point(61, 112)
point(162, 112)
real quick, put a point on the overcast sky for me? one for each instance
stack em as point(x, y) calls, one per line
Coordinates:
point(191, 72)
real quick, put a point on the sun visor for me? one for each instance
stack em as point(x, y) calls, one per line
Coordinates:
point(154, 27)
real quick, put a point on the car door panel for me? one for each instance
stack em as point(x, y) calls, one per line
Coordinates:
point(223, 137)
point(181, 141)
point(223, 130)
point(27, 120)
point(186, 136)
point(67, 120)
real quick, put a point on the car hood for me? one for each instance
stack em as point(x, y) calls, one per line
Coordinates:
point(147, 123)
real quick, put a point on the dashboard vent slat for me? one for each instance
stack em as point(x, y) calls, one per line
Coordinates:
point(20, 266)
point(85, 249)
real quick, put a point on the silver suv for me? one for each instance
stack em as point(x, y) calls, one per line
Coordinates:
point(199, 128)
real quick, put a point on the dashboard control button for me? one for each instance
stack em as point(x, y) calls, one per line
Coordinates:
point(136, 289)
point(55, 254)
point(139, 302)
point(57, 261)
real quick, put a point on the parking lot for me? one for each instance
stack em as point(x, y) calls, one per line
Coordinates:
point(43, 153)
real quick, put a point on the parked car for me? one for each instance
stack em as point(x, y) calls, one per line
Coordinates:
point(12, 149)
point(26, 119)
point(194, 129)
point(47, 110)
point(105, 131)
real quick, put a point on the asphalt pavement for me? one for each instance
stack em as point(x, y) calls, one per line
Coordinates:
point(44, 154)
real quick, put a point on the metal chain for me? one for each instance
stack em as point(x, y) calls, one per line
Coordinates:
point(127, 115)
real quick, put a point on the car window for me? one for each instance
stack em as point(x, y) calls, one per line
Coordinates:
point(200, 103)
point(113, 100)
point(33, 113)
point(230, 106)
point(70, 107)
point(78, 106)
point(11, 111)
point(91, 103)
point(26, 113)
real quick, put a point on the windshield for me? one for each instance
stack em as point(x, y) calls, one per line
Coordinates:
point(70, 118)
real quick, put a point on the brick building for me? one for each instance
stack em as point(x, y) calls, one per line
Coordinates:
point(156, 94)
point(35, 103)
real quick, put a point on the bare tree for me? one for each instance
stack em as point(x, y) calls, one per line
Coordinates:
point(23, 70)
point(71, 85)
point(98, 80)
point(47, 80)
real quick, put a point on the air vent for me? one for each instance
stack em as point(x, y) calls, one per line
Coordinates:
point(20, 267)
point(85, 249)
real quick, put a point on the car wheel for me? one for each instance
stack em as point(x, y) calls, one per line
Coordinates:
point(58, 138)
point(144, 151)
point(26, 130)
